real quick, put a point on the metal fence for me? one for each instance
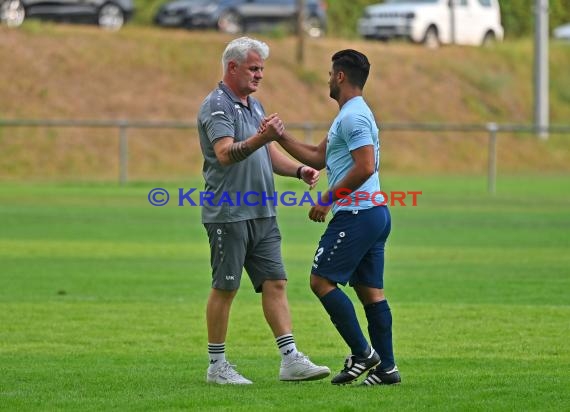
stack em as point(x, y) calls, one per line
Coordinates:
point(308, 128)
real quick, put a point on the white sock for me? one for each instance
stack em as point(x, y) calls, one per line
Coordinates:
point(286, 345)
point(217, 354)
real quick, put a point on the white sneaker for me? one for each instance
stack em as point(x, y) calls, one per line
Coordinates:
point(226, 374)
point(300, 368)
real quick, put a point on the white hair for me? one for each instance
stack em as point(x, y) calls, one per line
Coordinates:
point(238, 49)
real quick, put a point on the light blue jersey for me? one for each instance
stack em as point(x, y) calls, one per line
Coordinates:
point(353, 127)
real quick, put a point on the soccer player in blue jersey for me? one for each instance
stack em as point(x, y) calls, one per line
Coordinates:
point(352, 248)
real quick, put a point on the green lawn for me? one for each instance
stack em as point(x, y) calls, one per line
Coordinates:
point(102, 301)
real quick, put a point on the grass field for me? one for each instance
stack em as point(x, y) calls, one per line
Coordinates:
point(102, 302)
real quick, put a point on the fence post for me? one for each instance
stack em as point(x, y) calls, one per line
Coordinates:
point(492, 128)
point(308, 132)
point(123, 153)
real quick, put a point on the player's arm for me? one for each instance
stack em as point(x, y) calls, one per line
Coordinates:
point(364, 166)
point(309, 154)
point(228, 151)
point(284, 166)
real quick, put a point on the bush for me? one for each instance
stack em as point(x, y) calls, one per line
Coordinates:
point(343, 15)
point(517, 16)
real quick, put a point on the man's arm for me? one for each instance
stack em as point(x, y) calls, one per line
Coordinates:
point(311, 155)
point(229, 151)
point(284, 166)
point(364, 166)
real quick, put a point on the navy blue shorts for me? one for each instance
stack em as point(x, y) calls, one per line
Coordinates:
point(352, 248)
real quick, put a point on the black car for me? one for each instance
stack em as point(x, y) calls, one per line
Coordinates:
point(109, 14)
point(237, 16)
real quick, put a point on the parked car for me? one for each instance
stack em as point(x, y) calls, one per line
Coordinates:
point(237, 16)
point(562, 32)
point(109, 14)
point(476, 22)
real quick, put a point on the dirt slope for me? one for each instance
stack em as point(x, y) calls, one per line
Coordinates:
point(79, 72)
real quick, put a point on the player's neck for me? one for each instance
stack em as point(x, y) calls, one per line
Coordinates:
point(346, 95)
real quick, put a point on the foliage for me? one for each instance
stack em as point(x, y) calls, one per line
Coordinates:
point(145, 11)
point(343, 15)
point(559, 12)
point(517, 15)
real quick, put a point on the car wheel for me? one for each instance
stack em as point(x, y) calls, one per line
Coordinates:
point(12, 13)
point(110, 17)
point(230, 22)
point(431, 38)
point(489, 39)
point(313, 27)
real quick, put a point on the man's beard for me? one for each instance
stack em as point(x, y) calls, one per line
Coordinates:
point(334, 92)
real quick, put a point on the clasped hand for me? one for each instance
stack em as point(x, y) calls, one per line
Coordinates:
point(272, 127)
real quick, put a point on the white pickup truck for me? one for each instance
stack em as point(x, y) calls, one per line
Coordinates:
point(434, 22)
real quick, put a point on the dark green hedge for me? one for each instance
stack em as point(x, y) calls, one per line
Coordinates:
point(517, 16)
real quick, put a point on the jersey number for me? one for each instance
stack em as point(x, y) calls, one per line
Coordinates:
point(319, 253)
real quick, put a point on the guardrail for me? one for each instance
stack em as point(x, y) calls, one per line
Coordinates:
point(308, 128)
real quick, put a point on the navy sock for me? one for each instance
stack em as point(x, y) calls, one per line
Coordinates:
point(341, 310)
point(380, 331)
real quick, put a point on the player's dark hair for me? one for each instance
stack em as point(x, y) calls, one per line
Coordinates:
point(354, 64)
